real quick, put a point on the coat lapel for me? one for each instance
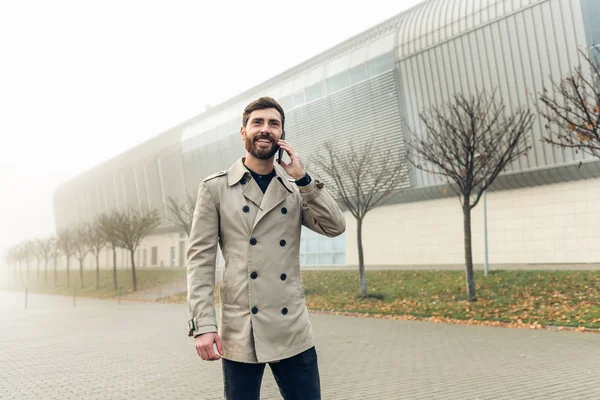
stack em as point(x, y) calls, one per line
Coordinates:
point(252, 192)
point(275, 194)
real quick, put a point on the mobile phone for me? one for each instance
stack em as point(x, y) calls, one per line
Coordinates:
point(280, 153)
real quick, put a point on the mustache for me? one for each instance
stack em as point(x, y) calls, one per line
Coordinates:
point(264, 137)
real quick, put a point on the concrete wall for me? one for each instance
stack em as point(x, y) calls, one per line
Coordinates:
point(543, 224)
point(547, 224)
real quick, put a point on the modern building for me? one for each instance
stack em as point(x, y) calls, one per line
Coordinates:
point(544, 208)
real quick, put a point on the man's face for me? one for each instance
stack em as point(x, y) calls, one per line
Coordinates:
point(262, 132)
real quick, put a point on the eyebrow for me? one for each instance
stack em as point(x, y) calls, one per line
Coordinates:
point(255, 119)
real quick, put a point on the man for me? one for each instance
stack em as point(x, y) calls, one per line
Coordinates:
point(255, 213)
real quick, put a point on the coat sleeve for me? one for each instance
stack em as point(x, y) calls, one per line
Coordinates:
point(320, 212)
point(201, 263)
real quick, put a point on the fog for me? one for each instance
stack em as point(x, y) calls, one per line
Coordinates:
point(81, 82)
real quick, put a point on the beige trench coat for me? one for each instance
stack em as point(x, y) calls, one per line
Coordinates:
point(263, 309)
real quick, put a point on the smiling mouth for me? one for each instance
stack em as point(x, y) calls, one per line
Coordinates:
point(263, 141)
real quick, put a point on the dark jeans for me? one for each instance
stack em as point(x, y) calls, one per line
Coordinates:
point(297, 378)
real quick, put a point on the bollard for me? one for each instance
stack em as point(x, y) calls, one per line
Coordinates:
point(26, 290)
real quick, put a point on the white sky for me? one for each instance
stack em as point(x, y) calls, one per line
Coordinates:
point(83, 81)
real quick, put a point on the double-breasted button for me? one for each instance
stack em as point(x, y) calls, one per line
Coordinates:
point(283, 277)
point(282, 242)
point(253, 275)
point(253, 241)
point(254, 310)
point(246, 209)
point(243, 181)
point(284, 311)
point(284, 210)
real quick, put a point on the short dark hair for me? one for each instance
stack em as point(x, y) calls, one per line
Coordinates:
point(261, 104)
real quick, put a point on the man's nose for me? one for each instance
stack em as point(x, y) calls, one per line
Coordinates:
point(265, 129)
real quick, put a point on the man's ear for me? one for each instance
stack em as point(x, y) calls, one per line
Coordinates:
point(243, 133)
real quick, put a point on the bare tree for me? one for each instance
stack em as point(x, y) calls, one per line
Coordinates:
point(96, 242)
point(35, 251)
point(572, 108)
point(45, 247)
point(107, 227)
point(19, 253)
point(28, 252)
point(468, 143)
point(181, 213)
point(133, 226)
point(81, 247)
point(22, 257)
point(362, 179)
point(66, 244)
point(55, 254)
point(11, 257)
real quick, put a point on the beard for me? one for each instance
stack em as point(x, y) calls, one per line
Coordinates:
point(260, 153)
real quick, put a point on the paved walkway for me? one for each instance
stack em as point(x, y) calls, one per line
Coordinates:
point(137, 350)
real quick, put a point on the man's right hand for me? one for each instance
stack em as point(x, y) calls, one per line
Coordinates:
point(205, 349)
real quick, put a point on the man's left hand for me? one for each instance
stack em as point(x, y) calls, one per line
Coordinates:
point(294, 168)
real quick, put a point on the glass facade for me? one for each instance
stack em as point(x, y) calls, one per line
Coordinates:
point(320, 250)
point(591, 16)
point(206, 143)
point(338, 74)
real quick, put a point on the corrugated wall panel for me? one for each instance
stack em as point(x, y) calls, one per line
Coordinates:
point(443, 46)
point(172, 175)
point(515, 54)
point(365, 112)
point(153, 184)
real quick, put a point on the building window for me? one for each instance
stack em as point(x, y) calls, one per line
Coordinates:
point(154, 255)
point(298, 99)
point(182, 253)
point(591, 15)
point(317, 249)
point(380, 64)
point(338, 82)
point(286, 102)
point(315, 91)
point(358, 73)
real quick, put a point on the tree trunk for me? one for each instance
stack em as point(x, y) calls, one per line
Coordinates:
point(98, 271)
point(27, 278)
point(81, 273)
point(46, 272)
point(471, 296)
point(361, 259)
point(133, 271)
point(38, 271)
point(114, 266)
point(68, 273)
point(55, 268)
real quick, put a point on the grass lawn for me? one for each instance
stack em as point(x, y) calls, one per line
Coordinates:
point(558, 298)
point(146, 278)
point(514, 298)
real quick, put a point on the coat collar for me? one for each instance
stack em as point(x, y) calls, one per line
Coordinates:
point(238, 170)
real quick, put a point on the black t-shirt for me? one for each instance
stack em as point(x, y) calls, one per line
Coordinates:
point(262, 180)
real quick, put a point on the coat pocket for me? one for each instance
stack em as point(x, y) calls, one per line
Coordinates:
point(226, 280)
